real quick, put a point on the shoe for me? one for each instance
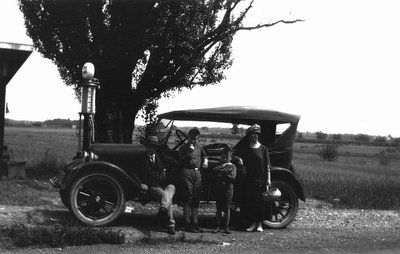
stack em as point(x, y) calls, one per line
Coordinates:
point(217, 230)
point(252, 227)
point(227, 231)
point(197, 229)
point(162, 216)
point(171, 230)
point(163, 212)
point(259, 227)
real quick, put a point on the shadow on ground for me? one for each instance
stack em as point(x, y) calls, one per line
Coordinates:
point(142, 219)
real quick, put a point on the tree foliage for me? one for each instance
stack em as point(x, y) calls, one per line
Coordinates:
point(362, 138)
point(321, 135)
point(142, 49)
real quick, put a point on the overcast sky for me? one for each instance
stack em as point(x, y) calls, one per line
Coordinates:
point(337, 69)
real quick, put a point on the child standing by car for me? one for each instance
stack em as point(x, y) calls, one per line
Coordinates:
point(192, 157)
point(225, 174)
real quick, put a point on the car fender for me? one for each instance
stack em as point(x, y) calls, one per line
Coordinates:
point(103, 166)
point(288, 176)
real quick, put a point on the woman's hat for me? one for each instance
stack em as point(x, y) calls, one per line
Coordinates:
point(255, 128)
point(151, 141)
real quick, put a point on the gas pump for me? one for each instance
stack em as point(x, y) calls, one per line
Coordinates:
point(88, 88)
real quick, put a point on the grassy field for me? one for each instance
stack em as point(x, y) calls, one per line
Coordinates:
point(44, 150)
point(356, 179)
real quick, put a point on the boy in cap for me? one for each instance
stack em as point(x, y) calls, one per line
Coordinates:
point(191, 158)
point(225, 174)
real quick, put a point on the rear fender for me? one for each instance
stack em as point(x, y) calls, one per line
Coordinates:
point(102, 166)
point(288, 176)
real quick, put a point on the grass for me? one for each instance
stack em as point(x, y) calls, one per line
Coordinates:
point(26, 192)
point(45, 150)
point(355, 180)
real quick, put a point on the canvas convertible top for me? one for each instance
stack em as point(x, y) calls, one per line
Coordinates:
point(232, 115)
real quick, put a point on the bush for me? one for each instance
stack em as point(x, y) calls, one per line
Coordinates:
point(329, 152)
point(386, 156)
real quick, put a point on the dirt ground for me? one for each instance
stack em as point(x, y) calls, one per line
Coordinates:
point(318, 228)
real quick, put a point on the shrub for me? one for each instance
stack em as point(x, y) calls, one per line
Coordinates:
point(329, 152)
point(384, 157)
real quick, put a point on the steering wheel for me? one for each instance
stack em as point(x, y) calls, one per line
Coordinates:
point(182, 138)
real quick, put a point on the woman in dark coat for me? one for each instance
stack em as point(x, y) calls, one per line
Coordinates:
point(257, 176)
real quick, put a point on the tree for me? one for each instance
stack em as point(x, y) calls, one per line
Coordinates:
point(142, 49)
point(235, 129)
point(364, 138)
point(320, 135)
point(337, 137)
point(300, 135)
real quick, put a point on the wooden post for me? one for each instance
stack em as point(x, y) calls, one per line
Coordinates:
point(2, 104)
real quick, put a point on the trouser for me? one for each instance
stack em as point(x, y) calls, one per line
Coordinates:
point(191, 187)
point(164, 197)
point(223, 195)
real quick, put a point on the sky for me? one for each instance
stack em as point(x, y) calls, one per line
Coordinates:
point(337, 69)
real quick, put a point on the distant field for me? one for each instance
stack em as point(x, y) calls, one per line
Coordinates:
point(355, 179)
point(26, 143)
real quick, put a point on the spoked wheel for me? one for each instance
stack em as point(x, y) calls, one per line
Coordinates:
point(283, 210)
point(97, 199)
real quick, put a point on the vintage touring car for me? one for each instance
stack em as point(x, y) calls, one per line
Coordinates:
point(96, 186)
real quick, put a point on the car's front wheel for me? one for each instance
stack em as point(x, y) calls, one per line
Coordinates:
point(97, 198)
point(283, 210)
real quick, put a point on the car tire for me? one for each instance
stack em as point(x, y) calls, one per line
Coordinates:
point(284, 210)
point(64, 198)
point(96, 199)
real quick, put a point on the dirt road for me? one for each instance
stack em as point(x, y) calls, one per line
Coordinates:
point(318, 228)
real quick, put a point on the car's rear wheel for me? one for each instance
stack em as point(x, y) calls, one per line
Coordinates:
point(97, 199)
point(283, 210)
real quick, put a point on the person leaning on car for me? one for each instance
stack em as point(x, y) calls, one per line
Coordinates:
point(191, 158)
point(156, 182)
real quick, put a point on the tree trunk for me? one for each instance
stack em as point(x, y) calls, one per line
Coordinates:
point(116, 109)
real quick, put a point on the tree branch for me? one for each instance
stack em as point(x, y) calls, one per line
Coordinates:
point(268, 25)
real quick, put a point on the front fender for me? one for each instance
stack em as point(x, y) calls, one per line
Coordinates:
point(288, 176)
point(103, 166)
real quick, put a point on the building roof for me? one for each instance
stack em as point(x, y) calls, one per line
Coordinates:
point(12, 57)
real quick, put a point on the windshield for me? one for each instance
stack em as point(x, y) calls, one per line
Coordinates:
point(210, 132)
